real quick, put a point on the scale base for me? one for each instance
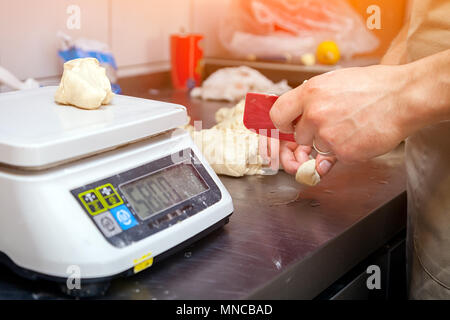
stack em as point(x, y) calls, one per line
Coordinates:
point(94, 287)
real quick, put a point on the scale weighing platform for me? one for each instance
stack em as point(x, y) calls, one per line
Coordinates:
point(97, 194)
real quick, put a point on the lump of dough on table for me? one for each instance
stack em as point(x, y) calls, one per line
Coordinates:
point(229, 147)
point(232, 152)
point(226, 113)
point(231, 118)
point(84, 84)
point(307, 173)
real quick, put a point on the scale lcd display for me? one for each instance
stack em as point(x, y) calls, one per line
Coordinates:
point(156, 192)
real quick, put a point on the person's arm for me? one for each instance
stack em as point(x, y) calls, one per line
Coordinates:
point(427, 95)
point(293, 155)
point(396, 54)
point(360, 113)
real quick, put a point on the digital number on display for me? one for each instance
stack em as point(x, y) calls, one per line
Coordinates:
point(154, 193)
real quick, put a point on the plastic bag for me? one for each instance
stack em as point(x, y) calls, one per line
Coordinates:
point(83, 48)
point(273, 28)
point(12, 82)
point(232, 84)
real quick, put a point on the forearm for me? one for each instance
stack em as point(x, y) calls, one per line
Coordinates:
point(425, 95)
point(396, 54)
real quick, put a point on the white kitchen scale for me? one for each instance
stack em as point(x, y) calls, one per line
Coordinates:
point(99, 193)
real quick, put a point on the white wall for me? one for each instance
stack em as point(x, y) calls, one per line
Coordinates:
point(140, 32)
point(136, 30)
point(28, 44)
point(206, 19)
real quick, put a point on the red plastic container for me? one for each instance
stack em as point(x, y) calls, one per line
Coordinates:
point(186, 60)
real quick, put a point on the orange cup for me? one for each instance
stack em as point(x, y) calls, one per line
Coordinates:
point(186, 55)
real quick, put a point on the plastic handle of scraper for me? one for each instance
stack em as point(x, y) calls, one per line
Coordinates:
point(257, 118)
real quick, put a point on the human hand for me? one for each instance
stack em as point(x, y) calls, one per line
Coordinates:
point(292, 156)
point(354, 113)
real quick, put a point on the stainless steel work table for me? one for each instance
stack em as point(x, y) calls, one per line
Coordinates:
point(284, 240)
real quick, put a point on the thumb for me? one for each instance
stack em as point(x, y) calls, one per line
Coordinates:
point(324, 164)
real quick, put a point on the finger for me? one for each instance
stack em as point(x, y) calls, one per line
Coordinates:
point(286, 109)
point(322, 146)
point(290, 164)
point(287, 157)
point(302, 153)
point(304, 132)
point(292, 146)
point(324, 164)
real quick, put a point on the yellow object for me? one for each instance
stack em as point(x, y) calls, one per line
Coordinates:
point(92, 202)
point(328, 53)
point(308, 59)
point(143, 262)
point(109, 195)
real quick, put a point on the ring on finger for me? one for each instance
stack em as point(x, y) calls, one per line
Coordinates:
point(323, 153)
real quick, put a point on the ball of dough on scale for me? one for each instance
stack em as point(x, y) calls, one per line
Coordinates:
point(307, 173)
point(84, 84)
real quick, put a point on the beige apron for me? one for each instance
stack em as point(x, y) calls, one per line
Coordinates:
point(428, 167)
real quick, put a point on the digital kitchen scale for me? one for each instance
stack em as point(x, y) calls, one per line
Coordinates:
point(100, 193)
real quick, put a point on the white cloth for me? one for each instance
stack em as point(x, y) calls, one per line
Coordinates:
point(232, 84)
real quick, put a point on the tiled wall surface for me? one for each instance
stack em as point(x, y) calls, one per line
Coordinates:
point(136, 30)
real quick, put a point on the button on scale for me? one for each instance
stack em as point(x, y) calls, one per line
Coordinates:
point(107, 224)
point(100, 200)
point(109, 195)
point(124, 217)
point(119, 217)
point(92, 202)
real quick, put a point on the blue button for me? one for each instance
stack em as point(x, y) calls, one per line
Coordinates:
point(124, 217)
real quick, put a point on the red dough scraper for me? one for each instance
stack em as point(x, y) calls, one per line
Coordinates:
point(257, 117)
